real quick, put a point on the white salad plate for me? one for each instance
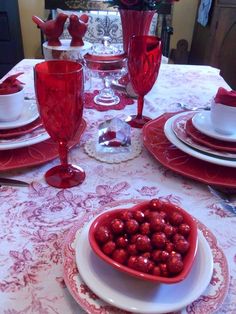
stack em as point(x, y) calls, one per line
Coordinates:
point(202, 122)
point(28, 115)
point(169, 133)
point(138, 296)
point(36, 136)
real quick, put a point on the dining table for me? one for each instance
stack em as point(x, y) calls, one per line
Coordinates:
point(39, 223)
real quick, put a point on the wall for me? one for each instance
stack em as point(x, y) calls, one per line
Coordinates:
point(30, 32)
point(184, 13)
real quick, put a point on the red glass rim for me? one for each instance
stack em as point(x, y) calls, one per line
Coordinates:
point(105, 58)
point(151, 38)
point(58, 67)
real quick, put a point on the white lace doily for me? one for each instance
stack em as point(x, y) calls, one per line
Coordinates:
point(112, 158)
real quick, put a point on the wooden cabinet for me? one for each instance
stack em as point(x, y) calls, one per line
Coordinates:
point(215, 44)
point(11, 49)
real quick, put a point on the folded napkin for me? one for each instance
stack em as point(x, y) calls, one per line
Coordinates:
point(11, 85)
point(224, 97)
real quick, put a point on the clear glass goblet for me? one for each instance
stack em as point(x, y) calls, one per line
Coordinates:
point(144, 59)
point(107, 61)
point(59, 90)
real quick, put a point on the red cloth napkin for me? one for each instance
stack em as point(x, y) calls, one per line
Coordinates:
point(224, 97)
point(11, 85)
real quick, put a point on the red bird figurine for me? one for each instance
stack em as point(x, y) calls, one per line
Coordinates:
point(77, 29)
point(52, 28)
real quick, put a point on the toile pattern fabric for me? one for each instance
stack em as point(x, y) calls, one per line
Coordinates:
point(102, 23)
point(35, 220)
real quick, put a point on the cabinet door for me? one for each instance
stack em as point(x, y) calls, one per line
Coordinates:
point(11, 50)
point(224, 47)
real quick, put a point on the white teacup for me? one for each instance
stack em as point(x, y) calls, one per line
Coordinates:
point(11, 106)
point(223, 118)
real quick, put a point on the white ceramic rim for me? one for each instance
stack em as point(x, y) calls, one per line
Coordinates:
point(190, 142)
point(201, 274)
point(32, 139)
point(192, 152)
point(28, 115)
point(202, 122)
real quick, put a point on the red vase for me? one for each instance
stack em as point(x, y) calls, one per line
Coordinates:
point(134, 22)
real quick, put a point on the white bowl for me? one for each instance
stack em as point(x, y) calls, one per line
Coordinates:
point(11, 106)
point(223, 118)
point(65, 51)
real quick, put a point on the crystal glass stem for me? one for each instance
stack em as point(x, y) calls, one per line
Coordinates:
point(140, 107)
point(63, 153)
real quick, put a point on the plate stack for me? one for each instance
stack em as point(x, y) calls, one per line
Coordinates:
point(24, 142)
point(187, 143)
point(100, 288)
point(24, 131)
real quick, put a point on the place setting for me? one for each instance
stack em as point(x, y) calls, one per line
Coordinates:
point(195, 143)
point(101, 273)
point(20, 124)
point(24, 140)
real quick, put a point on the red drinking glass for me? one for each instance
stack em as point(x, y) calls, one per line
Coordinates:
point(59, 90)
point(144, 59)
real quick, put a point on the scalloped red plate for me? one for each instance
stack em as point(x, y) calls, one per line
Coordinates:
point(173, 158)
point(35, 154)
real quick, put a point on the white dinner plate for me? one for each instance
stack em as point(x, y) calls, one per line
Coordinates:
point(191, 151)
point(29, 114)
point(202, 122)
point(36, 136)
point(138, 296)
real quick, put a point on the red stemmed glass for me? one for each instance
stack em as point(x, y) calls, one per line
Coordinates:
point(144, 59)
point(59, 90)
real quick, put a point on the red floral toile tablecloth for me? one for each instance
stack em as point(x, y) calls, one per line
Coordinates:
point(35, 221)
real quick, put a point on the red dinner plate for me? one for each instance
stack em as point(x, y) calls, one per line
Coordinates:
point(35, 154)
point(208, 141)
point(9, 133)
point(173, 158)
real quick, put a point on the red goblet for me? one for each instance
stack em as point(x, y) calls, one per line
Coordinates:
point(59, 92)
point(144, 58)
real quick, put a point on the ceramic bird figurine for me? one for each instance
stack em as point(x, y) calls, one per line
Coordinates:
point(52, 28)
point(77, 29)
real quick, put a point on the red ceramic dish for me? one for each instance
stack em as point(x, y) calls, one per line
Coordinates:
point(105, 219)
point(36, 154)
point(207, 140)
point(170, 156)
point(8, 133)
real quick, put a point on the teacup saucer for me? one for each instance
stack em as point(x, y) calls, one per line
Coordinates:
point(29, 114)
point(202, 122)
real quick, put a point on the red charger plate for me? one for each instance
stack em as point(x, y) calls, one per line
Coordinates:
point(35, 154)
point(173, 158)
point(106, 218)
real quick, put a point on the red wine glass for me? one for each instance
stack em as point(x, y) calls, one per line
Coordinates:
point(59, 90)
point(144, 58)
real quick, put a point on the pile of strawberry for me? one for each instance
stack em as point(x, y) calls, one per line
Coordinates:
point(150, 240)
